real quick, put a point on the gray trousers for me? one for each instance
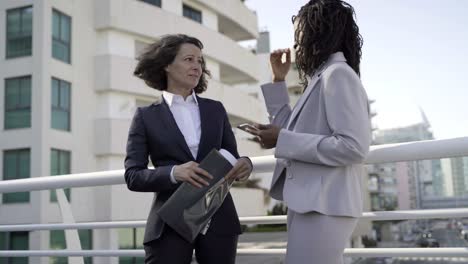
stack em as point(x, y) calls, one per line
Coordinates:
point(314, 238)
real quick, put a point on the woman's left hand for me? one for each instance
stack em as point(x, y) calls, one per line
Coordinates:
point(241, 171)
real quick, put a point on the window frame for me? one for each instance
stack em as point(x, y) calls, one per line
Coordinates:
point(58, 39)
point(14, 109)
point(8, 38)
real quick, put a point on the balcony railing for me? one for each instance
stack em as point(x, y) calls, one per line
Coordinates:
point(421, 150)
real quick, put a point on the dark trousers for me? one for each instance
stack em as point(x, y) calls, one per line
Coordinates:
point(209, 249)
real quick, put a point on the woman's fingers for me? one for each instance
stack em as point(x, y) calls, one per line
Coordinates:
point(199, 179)
point(194, 183)
point(203, 172)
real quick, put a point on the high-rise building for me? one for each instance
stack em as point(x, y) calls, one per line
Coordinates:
point(459, 173)
point(67, 96)
point(413, 179)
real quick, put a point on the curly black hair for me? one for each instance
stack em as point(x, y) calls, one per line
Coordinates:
point(323, 28)
point(157, 56)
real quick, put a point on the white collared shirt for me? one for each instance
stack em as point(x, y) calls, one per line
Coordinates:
point(187, 116)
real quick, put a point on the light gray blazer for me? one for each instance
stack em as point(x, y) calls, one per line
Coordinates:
point(323, 143)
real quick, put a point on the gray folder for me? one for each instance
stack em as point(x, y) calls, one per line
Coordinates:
point(189, 210)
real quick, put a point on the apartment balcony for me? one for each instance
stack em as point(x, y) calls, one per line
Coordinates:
point(235, 20)
point(116, 76)
point(237, 64)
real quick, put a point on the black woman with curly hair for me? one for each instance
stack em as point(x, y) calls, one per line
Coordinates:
point(176, 132)
point(322, 142)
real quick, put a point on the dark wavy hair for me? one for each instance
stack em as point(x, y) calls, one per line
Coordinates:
point(323, 28)
point(157, 56)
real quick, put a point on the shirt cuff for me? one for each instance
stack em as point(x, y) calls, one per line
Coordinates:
point(173, 180)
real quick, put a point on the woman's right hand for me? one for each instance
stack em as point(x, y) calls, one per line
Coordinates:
point(191, 173)
point(278, 67)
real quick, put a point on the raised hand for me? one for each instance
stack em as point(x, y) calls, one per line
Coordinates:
point(279, 68)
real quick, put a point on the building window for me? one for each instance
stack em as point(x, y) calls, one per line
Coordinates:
point(19, 32)
point(61, 105)
point(16, 165)
point(59, 165)
point(61, 36)
point(57, 242)
point(192, 13)
point(14, 241)
point(153, 2)
point(131, 238)
point(17, 102)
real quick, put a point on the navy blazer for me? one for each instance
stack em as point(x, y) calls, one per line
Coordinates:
point(154, 133)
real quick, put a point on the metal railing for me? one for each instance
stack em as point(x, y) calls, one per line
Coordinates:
point(421, 150)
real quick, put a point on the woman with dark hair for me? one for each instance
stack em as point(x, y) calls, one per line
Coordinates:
point(322, 142)
point(176, 132)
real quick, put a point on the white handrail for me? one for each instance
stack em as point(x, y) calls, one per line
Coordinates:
point(348, 252)
point(249, 220)
point(418, 150)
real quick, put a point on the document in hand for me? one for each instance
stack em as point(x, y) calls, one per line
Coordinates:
point(189, 210)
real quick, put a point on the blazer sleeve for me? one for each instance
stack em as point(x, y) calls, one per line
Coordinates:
point(347, 113)
point(228, 139)
point(137, 175)
point(277, 103)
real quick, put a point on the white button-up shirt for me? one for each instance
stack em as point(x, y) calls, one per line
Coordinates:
point(187, 116)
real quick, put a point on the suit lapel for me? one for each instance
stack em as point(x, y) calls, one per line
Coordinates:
point(303, 99)
point(205, 120)
point(169, 121)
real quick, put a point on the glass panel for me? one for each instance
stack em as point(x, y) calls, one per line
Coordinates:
point(86, 238)
point(54, 162)
point(140, 235)
point(55, 92)
point(18, 103)
point(60, 51)
point(12, 93)
point(20, 46)
point(27, 21)
point(65, 27)
point(16, 167)
point(55, 24)
point(59, 165)
point(64, 162)
point(19, 32)
point(25, 99)
point(17, 119)
point(9, 165)
point(65, 95)
point(153, 2)
point(126, 260)
point(57, 241)
point(60, 120)
point(19, 241)
point(13, 23)
point(24, 164)
point(3, 245)
point(126, 238)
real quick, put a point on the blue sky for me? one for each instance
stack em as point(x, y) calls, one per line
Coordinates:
point(415, 56)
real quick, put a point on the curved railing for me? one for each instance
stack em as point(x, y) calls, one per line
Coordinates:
point(431, 149)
